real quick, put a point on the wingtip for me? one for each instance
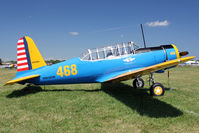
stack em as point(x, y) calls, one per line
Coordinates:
point(192, 57)
point(189, 57)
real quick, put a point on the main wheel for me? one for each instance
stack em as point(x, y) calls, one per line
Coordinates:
point(138, 83)
point(157, 89)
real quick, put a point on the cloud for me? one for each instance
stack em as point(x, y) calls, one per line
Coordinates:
point(74, 33)
point(157, 23)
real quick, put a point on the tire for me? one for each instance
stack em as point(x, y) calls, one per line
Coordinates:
point(157, 89)
point(138, 83)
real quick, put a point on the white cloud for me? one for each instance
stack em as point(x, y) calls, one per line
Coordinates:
point(74, 33)
point(157, 23)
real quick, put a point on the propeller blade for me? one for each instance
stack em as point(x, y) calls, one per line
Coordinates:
point(183, 53)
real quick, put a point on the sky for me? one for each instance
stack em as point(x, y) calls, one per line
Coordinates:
point(63, 29)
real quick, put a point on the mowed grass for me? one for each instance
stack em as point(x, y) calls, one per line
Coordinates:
point(113, 108)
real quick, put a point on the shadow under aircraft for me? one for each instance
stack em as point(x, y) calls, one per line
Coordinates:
point(137, 99)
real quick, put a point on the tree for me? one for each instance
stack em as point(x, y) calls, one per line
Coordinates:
point(0, 61)
point(12, 62)
point(54, 61)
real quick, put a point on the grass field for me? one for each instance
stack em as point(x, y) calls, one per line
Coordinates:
point(113, 108)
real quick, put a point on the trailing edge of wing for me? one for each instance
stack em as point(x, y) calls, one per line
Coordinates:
point(21, 79)
point(146, 70)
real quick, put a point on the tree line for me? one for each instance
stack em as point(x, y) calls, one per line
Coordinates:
point(48, 61)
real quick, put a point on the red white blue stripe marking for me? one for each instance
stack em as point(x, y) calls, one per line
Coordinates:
point(22, 62)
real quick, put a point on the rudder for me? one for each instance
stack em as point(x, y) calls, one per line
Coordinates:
point(28, 56)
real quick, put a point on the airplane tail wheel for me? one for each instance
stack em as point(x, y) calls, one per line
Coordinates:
point(157, 89)
point(138, 83)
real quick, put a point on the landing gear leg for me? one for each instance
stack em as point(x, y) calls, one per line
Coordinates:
point(151, 78)
point(156, 89)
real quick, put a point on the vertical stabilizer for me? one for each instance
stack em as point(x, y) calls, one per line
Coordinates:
point(28, 56)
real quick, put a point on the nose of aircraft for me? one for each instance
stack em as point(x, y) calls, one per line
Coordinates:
point(179, 54)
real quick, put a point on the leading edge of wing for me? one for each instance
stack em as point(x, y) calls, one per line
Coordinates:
point(146, 70)
point(21, 79)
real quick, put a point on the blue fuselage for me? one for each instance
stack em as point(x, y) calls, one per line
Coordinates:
point(91, 71)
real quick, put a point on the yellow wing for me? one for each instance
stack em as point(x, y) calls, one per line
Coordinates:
point(147, 70)
point(21, 79)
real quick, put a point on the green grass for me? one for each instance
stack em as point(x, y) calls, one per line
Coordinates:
point(111, 108)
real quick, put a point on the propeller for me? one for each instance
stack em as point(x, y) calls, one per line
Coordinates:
point(183, 53)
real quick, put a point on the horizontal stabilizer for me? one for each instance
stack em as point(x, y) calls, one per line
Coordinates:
point(21, 79)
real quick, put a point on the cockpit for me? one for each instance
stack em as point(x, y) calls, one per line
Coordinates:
point(110, 52)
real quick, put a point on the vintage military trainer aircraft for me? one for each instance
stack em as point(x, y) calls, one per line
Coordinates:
point(108, 64)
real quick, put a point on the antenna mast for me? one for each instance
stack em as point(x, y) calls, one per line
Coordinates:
point(143, 36)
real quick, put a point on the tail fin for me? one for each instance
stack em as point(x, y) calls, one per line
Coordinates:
point(28, 56)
